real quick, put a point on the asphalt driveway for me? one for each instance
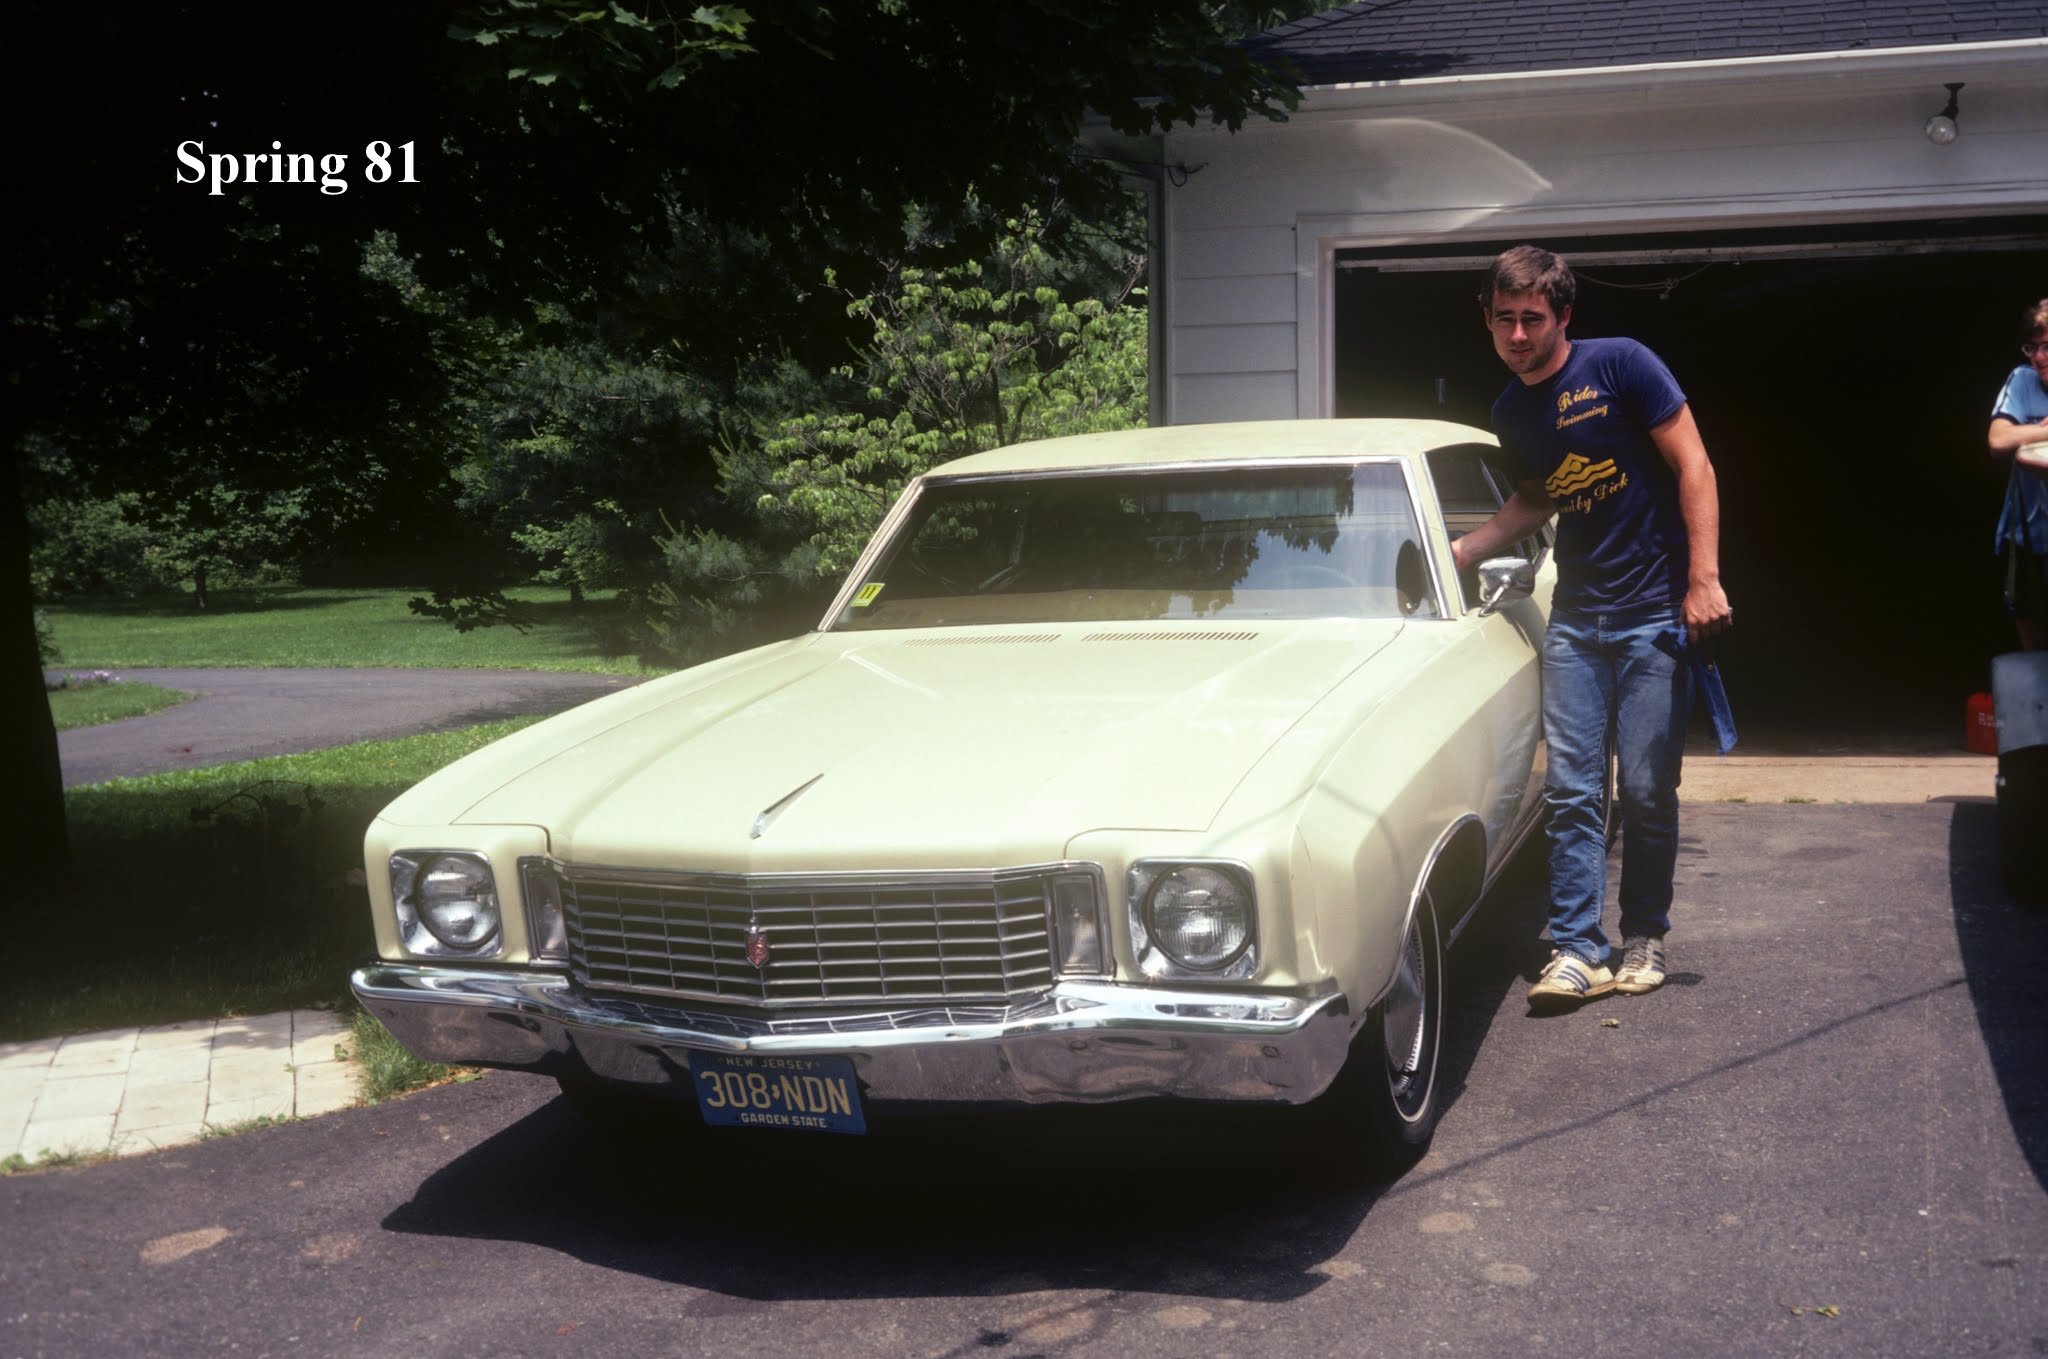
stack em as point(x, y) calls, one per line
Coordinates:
point(245, 714)
point(1827, 1136)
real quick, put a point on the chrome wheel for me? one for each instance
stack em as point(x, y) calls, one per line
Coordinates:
point(1405, 1026)
point(1384, 1101)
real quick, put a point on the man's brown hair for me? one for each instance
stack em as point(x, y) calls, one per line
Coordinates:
point(1531, 269)
point(2034, 321)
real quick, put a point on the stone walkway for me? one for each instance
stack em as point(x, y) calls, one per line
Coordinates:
point(134, 1090)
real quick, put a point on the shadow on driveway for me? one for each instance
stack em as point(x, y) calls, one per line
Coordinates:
point(2004, 944)
point(1200, 1202)
point(1146, 1198)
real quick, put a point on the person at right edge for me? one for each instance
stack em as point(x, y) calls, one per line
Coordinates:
point(1599, 433)
point(2019, 431)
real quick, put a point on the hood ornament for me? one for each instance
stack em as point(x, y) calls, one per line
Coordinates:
point(776, 808)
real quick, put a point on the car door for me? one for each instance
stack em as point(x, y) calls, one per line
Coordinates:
point(1505, 645)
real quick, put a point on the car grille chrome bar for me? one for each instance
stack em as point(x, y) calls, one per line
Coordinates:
point(836, 941)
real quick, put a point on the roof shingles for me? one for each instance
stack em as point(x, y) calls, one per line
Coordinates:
point(1404, 39)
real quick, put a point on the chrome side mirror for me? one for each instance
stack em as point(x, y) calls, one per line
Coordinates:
point(1503, 580)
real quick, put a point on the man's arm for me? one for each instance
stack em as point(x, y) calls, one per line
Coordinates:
point(1706, 609)
point(1526, 509)
point(2022, 443)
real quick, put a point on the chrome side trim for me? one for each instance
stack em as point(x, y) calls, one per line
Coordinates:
point(1415, 892)
point(1080, 1042)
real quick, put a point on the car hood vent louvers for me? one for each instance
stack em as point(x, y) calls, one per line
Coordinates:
point(986, 639)
point(1171, 637)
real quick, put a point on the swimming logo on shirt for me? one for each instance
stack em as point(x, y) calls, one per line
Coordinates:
point(1575, 474)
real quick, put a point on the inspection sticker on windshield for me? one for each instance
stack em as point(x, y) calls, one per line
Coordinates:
point(807, 1094)
point(869, 593)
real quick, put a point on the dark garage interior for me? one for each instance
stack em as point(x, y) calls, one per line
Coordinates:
point(1843, 388)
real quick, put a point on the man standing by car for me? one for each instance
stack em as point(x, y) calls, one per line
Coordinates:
point(1599, 433)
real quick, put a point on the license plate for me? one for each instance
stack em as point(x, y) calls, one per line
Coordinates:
point(805, 1094)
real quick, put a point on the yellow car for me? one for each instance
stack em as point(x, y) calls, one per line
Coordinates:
point(1161, 763)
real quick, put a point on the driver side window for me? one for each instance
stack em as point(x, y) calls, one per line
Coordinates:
point(1469, 490)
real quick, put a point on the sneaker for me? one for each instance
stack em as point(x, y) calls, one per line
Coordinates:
point(1642, 964)
point(1568, 979)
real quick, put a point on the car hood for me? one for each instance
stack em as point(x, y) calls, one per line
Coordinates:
point(982, 748)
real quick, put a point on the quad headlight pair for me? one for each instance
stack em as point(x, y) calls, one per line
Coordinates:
point(448, 905)
point(1189, 920)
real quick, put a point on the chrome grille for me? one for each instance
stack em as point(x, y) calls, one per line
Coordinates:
point(829, 941)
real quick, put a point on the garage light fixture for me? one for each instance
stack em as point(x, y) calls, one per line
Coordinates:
point(1941, 128)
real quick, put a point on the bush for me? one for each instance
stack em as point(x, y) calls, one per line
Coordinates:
point(47, 653)
point(89, 547)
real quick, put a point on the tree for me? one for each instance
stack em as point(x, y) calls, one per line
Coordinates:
point(257, 439)
point(156, 330)
point(575, 461)
point(812, 125)
point(959, 359)
point(189, 291)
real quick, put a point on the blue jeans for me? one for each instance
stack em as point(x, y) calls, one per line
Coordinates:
point(1623, 674)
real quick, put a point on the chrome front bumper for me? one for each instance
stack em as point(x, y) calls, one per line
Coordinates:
point(1080, 1042)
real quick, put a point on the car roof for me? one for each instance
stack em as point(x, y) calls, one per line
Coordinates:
point(1279, 440)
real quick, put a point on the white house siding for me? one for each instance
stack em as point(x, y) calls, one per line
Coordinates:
point(1252, 230)
point(1231, 328)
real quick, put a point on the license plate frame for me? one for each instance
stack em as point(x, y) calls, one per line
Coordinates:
point(787, 1094)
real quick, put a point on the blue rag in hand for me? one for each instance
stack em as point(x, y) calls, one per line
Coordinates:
point(1707, 686)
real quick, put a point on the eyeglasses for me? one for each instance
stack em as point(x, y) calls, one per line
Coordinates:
point(2032, 347)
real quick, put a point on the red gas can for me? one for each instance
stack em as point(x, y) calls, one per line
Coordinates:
point(1980, 726)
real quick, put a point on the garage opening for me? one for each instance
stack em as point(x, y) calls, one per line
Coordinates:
point(1843, 388)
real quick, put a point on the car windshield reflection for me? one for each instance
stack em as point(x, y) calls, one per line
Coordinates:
point(1236, 542)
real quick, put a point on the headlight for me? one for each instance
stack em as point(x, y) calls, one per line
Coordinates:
point(458, 901)
point(447, 902)
point(1193, 918)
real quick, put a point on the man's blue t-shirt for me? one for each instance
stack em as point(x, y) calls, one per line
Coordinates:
point(2024, 516)
point(1584, 432)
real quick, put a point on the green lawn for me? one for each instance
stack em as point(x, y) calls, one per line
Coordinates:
point(230, 890)
point(238, 889)
point(332, 627)
point(88, 705)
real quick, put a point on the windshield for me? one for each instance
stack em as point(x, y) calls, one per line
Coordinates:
point(1234, 542)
